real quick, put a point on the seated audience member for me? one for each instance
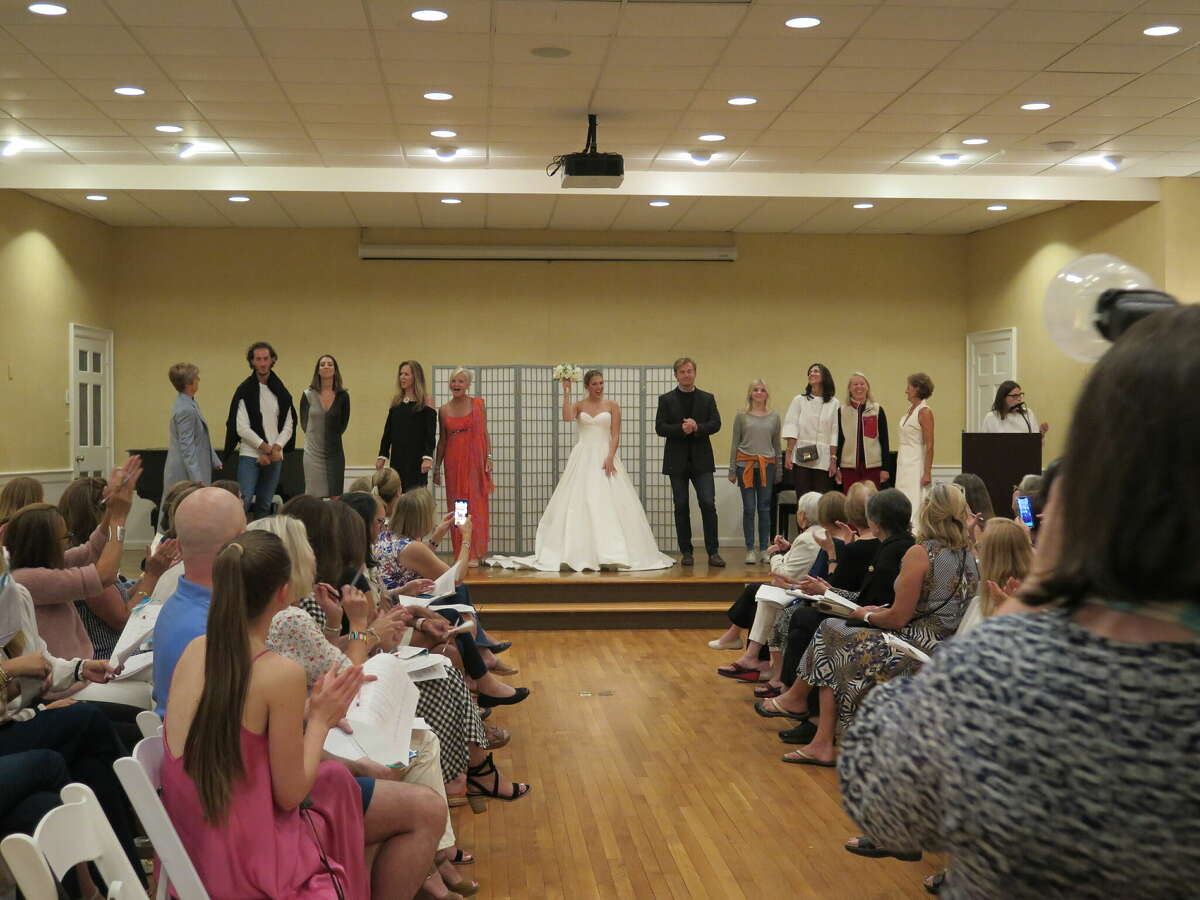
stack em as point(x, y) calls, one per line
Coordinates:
point(36, 541)
point(790, 558)
point(242, 764)
point(1086, 710)
point(1029, 486)
point(80, 735)
point(17, 493)
point(938, 576)
point(296, 636)
point(978, 499)
point(204, 521)
point(228, 484)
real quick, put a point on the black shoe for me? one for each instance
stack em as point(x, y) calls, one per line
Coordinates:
point(801, 734)
point(687, 560)
point(486, 700)
point(715, 561)
point(500, 647)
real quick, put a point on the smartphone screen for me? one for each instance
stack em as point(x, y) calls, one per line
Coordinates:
point(460, 511)
point(1025, 508)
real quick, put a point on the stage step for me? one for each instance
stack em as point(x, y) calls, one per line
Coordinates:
point(611, 604)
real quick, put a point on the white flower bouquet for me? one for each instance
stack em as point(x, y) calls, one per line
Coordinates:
point(565, 371)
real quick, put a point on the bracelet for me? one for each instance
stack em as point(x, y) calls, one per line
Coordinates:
point(375, 634)
point(78, 670)
point(358, 636)
point(120, 533)
point(867, 618)
point(418, 625)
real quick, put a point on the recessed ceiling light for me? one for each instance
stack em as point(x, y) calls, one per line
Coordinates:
point(438, 95)
point(190, 150)
point(700, 157)
point(429, 15)
point(12, 147)
point(659, 203)
point(550, 52)
point(169, 129)
point(711, 138)
point(975, 142)
point(742, 101)
point(446, 153)
point(96, 197)
point(238, 198)
point(129, 91)
point(47, 9)
point(1161, 30)
point(1109, 161)
point(443, 133)
point(949, 159)
point(451, 201)
point(997, 207)
point(864, 205)
point(1033, 107)
point(803, 22)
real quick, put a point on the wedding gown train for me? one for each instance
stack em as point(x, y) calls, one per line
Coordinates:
point(592, 519)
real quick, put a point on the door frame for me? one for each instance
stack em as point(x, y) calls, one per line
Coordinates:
point(105, 336)
point(974, 414)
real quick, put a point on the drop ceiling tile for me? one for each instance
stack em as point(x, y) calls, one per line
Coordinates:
point(279, 146)
point(51, 109)
point(905, 123)
point(79, 127)
point(248, 112)
point(586, 50)
point(36, 89)
point(177, 13)
point(844, 156)
point(183, 208)
point(991, 168)
point(1025, 56)
point(85, 40)
point(365, 162)
point(985, 125)
point(743, 51)
point(102, 90)
point(940, 104)
point(370, 131)
point(969, 81)
point(384, 210)
point(10, 47)
point(71, 144)
point(217, 68)
point(672, 20)
point(311, 160)
point(261, 212)
point(953, 141)
point(732, 139)
point(426, 72)
point(889, 54)
point(211, 157)
point(879, 80)
point(172, 144)
point(728, 119)
point(565, 137)
point(1134, 106)
point(233, 91)
point(836, 21)
point(1077, 84)
point(790, 121)
point(1105, 58)
point(1155, 169)
point(404, 45)
point(351, 94)
point(13, 12)
point(844, 168)
point(1104, 125)
point(413, 95)
point(922, 23)
point(426, 157)
point(910, 215)
point(317, 209)
point(764, 78)
point(329, 43)
point(841, 217)
point(533, 75)
point(826, 102)
point(1052, 26)
point(327, 71)
point(366, 113)
point(1189, 111)
point(566, 98)
point(314, 14)
point(768, 101)
point(653, 51)
point(10, 128)
point(717, 213)
point(1173, 84)
point(827, 139)
point(1040, 140)
point(1059, 106)
point(540, 18)
point(471, 213)
point(234, 128)
point(1187, 63)
point(121, 69)
point(359, 148)
point(639, 215)
point(1128, 29)
point(23, 66)
point(1186, 127)
point(1156, 143)
point(197, 41)
point(783, 214)
point(459, 115)
point(1029, 157)
point(140, 156)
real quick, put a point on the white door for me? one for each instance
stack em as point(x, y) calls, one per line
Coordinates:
point(90, 400)
point(991, 359)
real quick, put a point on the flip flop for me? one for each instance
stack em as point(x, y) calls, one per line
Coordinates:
point(767, 691)
point(771, 709)
point(868, 848)
point(740, 673)
point(800, 758)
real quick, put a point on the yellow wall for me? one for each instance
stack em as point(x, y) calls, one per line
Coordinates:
point(887, 304)
point(55, 268)
point(1010, 267)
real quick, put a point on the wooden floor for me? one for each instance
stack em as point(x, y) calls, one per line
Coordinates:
point(653, 778)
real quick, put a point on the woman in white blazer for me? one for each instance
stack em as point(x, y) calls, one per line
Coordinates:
point(811, 431)
point(190, 455)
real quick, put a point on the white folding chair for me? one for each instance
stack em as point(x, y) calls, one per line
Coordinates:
point(149, 723)
point(78, 831)
point(141, 776)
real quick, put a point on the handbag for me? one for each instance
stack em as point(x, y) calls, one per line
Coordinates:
point(806, 453)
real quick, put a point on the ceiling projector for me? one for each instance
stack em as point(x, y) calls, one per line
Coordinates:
point(589, 168)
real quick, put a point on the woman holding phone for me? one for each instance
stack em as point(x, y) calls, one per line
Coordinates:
point(465, 449)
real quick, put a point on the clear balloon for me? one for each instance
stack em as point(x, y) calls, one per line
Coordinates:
point(1070, 307)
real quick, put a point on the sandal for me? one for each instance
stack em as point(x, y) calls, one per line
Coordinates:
point(933, 884)
point(497, 737)
point(502, 668)
point(864, 846)
point(461, 857)
point(767, 691)
point(477, 794)
point(800, 758)
point(740, 673)
point(771, 709)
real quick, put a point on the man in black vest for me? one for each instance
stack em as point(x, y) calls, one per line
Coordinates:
point(261, 425)
point(686, 417)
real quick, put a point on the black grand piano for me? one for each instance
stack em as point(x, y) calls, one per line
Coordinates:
point(154, 460)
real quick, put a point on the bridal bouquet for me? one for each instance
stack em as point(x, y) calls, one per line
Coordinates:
point(566, 370)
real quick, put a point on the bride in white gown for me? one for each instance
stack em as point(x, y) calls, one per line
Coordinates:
point(594, 518)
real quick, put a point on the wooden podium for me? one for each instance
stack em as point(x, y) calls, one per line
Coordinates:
point(1001, 460)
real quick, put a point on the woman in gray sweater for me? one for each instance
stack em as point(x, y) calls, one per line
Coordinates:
point(753, 462)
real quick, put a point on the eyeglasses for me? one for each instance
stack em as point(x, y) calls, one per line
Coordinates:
point(381, 521)
point(1017, 395)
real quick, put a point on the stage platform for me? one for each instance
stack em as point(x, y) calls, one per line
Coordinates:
point(693, 597)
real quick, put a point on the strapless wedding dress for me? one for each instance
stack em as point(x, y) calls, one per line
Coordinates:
point(592, 519)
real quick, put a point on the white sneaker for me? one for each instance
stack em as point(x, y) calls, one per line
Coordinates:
point(751, 557)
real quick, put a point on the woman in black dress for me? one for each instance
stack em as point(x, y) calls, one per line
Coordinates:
point(410, 433)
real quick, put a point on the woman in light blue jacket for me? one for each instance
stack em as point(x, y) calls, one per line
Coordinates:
point(190, 455)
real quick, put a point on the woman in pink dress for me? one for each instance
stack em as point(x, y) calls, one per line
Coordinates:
point(241, 755)
point(465, 447)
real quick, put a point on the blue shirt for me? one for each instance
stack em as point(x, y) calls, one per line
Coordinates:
point(184, 618)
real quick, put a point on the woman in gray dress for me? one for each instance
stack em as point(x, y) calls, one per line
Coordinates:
point(324, 415)
point(190, 455)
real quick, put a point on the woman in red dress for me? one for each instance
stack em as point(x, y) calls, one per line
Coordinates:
point(465, 447)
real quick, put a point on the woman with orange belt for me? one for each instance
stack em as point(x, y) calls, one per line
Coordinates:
point(753, 462)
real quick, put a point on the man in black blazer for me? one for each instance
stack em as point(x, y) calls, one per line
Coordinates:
point(686, 417)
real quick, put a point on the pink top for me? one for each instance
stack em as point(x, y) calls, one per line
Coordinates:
point(262, 851)
point(55, 591)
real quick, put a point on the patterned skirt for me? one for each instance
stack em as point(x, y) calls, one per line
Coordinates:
point(446, 704)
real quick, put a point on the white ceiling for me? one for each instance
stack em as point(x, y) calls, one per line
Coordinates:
point(879, 88)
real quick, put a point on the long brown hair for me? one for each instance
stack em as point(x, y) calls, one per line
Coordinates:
point(336, 384)
point(33, 540)
point(420, 395)
point(1005, 551)
point(80, 507)
point(19, 492)
point(249, 570)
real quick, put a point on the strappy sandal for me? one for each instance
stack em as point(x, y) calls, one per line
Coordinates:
point(773, 709)
point(867, 847)
point(477, 794)
point(461, 857)
point(767, 691)
point(933, 884)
